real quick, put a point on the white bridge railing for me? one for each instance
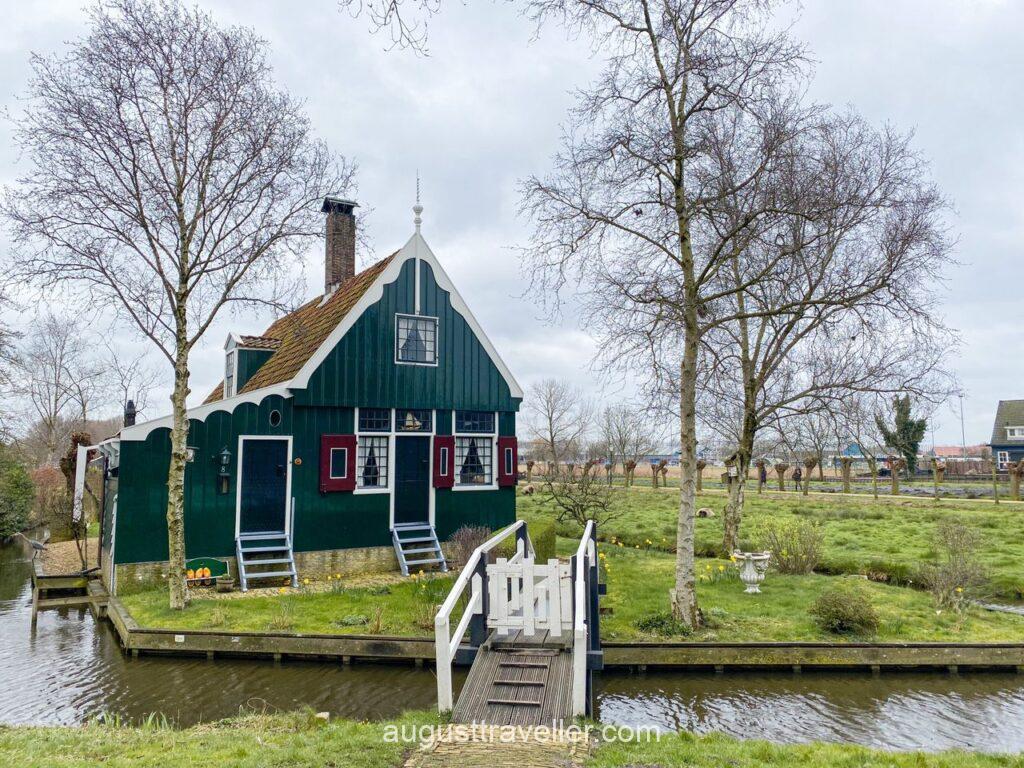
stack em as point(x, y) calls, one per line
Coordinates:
point(519, 594)
point(473, 575)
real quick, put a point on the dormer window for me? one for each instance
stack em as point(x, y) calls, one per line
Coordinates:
point(229, 373)
point(415, 340)
point(1015, 433)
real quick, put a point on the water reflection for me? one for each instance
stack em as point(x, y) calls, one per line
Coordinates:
point(931, 711)
point(72, 668)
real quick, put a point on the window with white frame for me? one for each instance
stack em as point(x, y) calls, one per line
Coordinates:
point(474, 452)
point(416, 339)
point(1015, 433)
point(372, 462)
point(339, 463)
point(1003, 458)
point(229, 374)
point(474, 460)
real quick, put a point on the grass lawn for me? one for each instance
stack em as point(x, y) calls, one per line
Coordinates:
point(888, 537)
point(638, 584)
point(396, 607)
point(299, 741)
point(639, 581)
point(715, 750)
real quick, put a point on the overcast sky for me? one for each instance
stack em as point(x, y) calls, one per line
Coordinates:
point(483, 110)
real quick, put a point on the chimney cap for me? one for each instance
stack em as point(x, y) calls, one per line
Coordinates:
point(333, 203)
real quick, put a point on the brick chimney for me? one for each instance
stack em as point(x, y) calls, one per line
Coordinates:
point(340, 261)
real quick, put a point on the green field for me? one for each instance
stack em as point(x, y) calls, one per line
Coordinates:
point(301, 741)
point(888, 538)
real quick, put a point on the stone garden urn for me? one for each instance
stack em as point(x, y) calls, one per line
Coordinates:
point(753, 566)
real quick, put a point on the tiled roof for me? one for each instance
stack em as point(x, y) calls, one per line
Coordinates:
point(260, 342)
point(300, 333)
point(1010, 413)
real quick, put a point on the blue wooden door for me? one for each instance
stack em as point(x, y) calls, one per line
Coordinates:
point(263, 486)
point(412, 479)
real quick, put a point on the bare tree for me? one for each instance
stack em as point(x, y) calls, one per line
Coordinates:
point(404, 21)
point(130, 379)
point(630, 431)
point(558, 417)
point(55, 381)
point(169, 178)
point(633, 209)
point(832, 295)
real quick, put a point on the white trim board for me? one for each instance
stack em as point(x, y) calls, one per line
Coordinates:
point(416, 249)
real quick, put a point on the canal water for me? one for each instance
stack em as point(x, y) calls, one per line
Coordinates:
point(70, 668)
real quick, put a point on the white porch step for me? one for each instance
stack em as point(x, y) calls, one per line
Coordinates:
point(248, 549)
point(406, 545)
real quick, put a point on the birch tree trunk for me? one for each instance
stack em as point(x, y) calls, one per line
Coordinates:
point(684, 597)
point(176, 471)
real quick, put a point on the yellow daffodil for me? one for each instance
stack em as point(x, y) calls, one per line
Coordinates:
point(305, 581)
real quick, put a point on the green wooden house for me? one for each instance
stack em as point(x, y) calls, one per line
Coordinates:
point(354, 434)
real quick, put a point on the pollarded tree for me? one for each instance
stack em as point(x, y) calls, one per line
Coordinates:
point(168, 178)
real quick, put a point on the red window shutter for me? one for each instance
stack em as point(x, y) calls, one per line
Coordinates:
point(346, 481)
point(444, 461)
point(508, 461)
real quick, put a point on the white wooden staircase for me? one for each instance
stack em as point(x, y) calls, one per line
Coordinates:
point(265, 555)
point(417, 546)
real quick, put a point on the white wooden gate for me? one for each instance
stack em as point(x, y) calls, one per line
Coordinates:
point(529, 596)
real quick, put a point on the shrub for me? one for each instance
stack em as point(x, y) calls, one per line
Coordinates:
point(795, 546)
point(958, 575)
point(542, 534)
point(465, 540)
point(663, 624)
point(16, 495)
point(845, 609)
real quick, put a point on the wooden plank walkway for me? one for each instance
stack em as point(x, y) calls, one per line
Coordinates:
point(518, 680)
point(458, 746)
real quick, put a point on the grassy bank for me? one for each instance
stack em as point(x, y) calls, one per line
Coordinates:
point(638, 584)
point(715, 751)
point(888, 538)
point(639, 581)
point(394, 606)
point(299, 740)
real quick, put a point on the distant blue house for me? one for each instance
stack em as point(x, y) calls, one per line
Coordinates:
point(1008, 433)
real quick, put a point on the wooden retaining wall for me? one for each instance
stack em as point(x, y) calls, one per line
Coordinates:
point(719, 656)
point(811, 655)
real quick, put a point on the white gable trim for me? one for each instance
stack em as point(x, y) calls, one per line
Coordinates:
point(199, 413)
point(415, 248)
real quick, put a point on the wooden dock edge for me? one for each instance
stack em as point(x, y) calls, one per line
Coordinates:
point(718, 656)
point(814, 655)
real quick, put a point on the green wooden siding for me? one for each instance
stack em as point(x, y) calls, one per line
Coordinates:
point(249, 361)
point(361, 370)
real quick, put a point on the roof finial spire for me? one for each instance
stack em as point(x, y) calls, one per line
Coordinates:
point(417, 209)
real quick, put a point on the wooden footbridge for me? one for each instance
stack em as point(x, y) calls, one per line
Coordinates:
point(533, 634)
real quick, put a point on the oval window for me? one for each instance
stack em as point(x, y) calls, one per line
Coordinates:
point(275, 418)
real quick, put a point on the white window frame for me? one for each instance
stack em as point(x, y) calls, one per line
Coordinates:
point(437, 340)
point(1002, 459)
point(233, 389)
point(508, 459)
point(1015, 433)
point(443, 460)
point(391, 435)
point(493, 485)
point(330, 465)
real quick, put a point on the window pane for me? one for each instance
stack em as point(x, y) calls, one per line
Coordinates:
point(473, 459)
point(374, 419)
point(474, 421)
point(372, 462)
point(417, 339)
point(413, 420)
point(339, 463)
